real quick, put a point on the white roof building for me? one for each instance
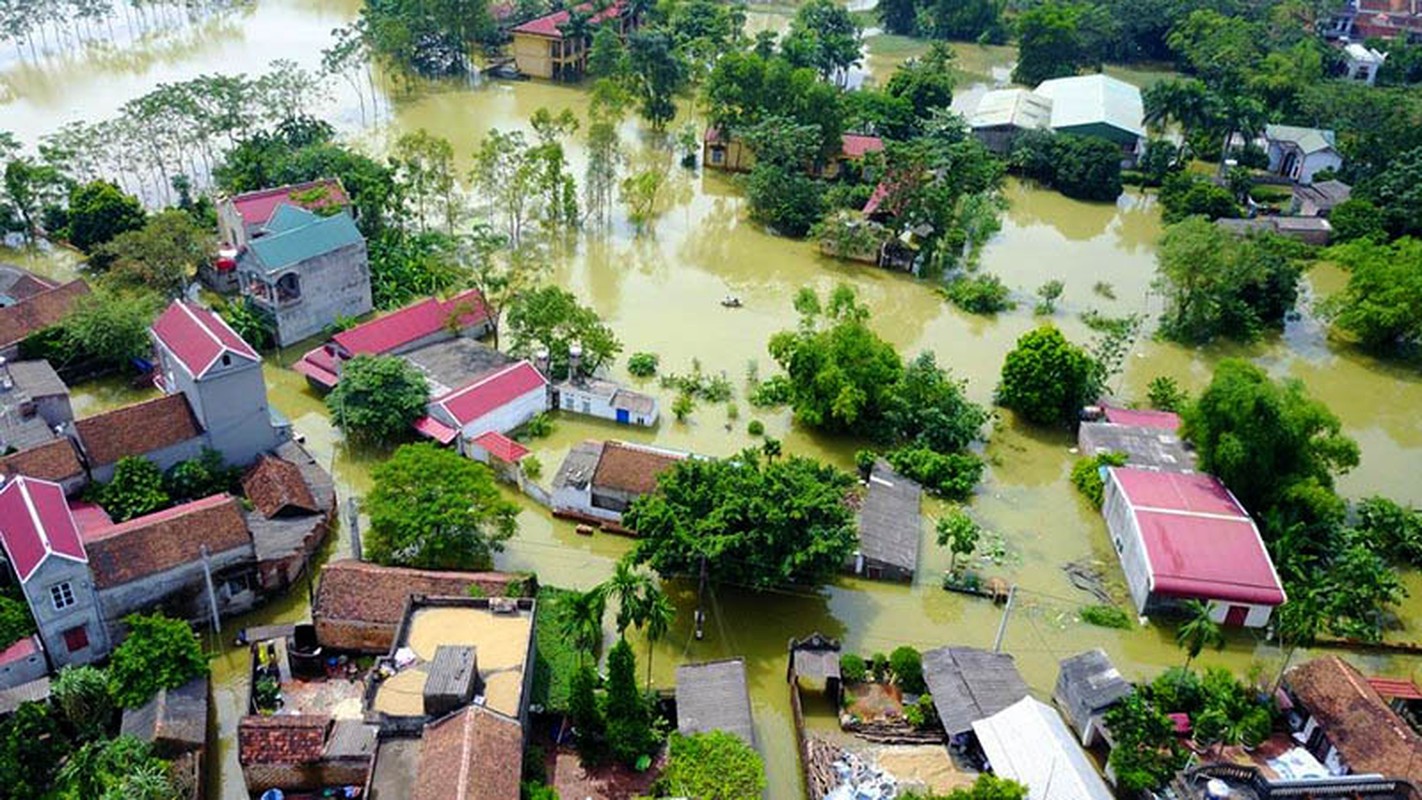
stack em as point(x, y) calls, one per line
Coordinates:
point(1029, 743)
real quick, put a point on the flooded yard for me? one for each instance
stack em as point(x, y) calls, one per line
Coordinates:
point(660, 292)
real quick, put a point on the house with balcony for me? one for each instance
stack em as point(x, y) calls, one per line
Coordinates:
point(543, 48)
point(304, 271)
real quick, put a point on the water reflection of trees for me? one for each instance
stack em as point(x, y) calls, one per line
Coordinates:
point(1075, 220)
point(40, 28)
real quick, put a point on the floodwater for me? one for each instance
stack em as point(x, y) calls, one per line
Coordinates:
point(661, 293)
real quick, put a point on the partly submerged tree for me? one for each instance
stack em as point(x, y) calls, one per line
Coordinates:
point(433, 508)
point(551, 317)
point(1047, 379)
point(1198, 630)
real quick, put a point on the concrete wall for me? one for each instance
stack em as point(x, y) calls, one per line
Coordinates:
point(164, 458)
point(333, 285)
point(1308, 165)
point(230, 228)
point(579, 401)
point(533, 55)
point(734, 155)
point(580, 500)
point(183, 589)
point(612, 500)
point(54, 409)
point(306, 777)
point(52, 623)
point(506, 417)
point(231, 403)
point(1126, 538)
point(23, 670)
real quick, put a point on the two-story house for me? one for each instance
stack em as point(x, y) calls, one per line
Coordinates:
point(543, 48)
point(201, 358)
point(304, 271)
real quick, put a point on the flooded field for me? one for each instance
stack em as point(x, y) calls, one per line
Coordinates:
point(661, 293)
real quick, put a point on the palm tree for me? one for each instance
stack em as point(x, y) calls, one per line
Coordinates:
point(582, 624)
point(628, 588)
point(772, 449)
point(659, 614)
point(1199, 630)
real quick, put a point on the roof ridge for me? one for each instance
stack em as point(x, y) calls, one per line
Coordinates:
point(479, 381)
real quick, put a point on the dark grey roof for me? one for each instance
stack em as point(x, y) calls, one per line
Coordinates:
point(452, 674)
point(969, 684)
point(1324, 195)
point(176, 718)
point(352, 738)
point(578, 468)
point(816, 656)
point(1090, 681)
point(278, 537)
point(889, 523)
point(713, 697)
point(20, 432)
point(454, 362)
point(1144, 446)
point(36, 378)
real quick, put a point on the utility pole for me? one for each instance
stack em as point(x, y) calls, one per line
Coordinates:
point(700, 594)
point(211, 593)
point(353, 514)
point(1002, 626)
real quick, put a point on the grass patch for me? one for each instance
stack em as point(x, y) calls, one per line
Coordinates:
point(1265, 193)
point(1106, 617)
point(557, 659)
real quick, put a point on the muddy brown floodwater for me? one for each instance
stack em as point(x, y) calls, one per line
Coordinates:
point(661, 293)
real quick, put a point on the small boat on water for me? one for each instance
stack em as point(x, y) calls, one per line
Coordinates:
point(584, 530)
point(731, 301)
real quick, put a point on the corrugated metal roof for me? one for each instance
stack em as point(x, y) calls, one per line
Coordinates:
point(1029, 743)
point(969, 684)
point(1015, 107)
point(288, 217)
point(1094, 100)
point(277, 251)
point(1309, 140)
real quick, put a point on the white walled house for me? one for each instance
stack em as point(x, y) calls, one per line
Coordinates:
point(605, 400)
point(1185, 537)
point(599, 480)
point(1300, 153)
point(499, 401)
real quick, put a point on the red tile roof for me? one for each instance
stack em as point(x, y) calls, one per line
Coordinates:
point(1144, 418)
point(282, 739)
point(257, 207)
point(472, 754)
point(39, 311)
point(490, 392)
point(54, 460)
point(320, 366)
point(198, 338)
point(630, 468)
point(137, 429)
point(20, 650)
point(276, 486)
point(1368, 734)
point(434, 429)
point(359, 605)
point(1199, 542)
point(501, 447)
point(857, 145)
point(1397, 688)
point(166, 539)
point(548, 24)
point(90, 517)
point(35, 524)
point(398, 328)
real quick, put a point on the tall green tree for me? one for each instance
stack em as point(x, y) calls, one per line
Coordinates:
point(658, 614)
point(99, 211)
point(656, 73)
point(82, 694)
point(433, 508)
point(1051, 43)
point(135, 489)
point(111, 327)
point(583, 619)
point(378, 398)
point(1276, 448)
point(1381, 306)
point(1147, 753)
point(712, 766)
point(160, 257)
point(158, 653)
point(755, 522)
point(823, 35)
point(551, 317)
point(1198, 630)
point(1047, 379)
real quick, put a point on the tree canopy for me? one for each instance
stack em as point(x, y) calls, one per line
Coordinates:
point(433, 508)
point(715, 765)
point(99, 211)
point(1381, 306)
point(159, 257)
point(757, 521)
point(378, 398)
point(158, 653)
point(1084, 167)
point(1047, 379)
point(552, 317)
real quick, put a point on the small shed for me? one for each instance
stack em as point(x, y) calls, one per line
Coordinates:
point(1362, 62)
point(1087, 685)
point(969, 684)
point(889, 526)
point(453, 679)
point(815, 658)
point(174, 721)
point(1027, 742)
point(713, 697)
point(1319, 199)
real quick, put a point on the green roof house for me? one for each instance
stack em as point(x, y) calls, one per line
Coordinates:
point(1300, 153)
point(303, 271)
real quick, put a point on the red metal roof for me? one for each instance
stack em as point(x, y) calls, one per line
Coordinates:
point(21, 649)
point(90, 517)
point(501, 447)
point(35, 523)
point(434, 429)
point(1144, 418)
point(857, 145)
point(881, 193)
point(489, 392)
point(1398, 688)
point(1199, 542)
point(547, 25)
point(197, 337)
point(257, 207)
point(383, 334)
point(311, 365)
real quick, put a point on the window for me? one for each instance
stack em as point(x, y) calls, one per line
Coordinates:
point(76, 638)
point(587, 407)
point(718, 155)
point(62, 595)
point(568, 401)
